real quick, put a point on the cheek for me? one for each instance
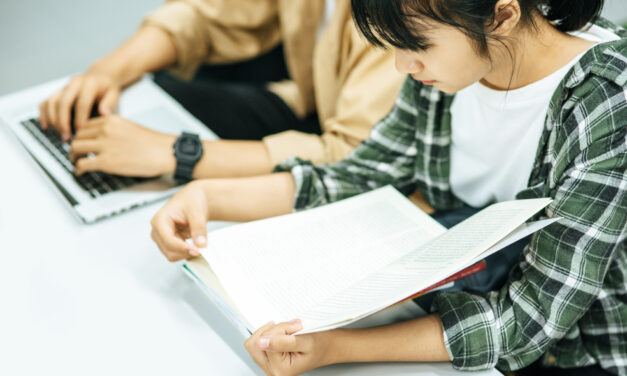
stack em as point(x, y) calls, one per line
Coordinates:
point(462, 72)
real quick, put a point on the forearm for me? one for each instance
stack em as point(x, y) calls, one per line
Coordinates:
point(148, 50)
point(417, 340)
point(221, 158)
point(226, 158)
point(251, 198)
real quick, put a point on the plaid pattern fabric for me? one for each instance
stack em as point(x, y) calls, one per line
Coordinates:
point(566, 301)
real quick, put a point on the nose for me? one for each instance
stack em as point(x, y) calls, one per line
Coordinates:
point(406, 62)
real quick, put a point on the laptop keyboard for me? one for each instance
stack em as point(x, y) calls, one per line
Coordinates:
point(94, 183)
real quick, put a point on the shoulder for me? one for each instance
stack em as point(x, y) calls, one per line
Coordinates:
point(604, 64)
point(593, 102)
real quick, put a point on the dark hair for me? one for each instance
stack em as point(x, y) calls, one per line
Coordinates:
point(400, 23)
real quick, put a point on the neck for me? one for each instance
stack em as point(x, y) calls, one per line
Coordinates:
point(536, 54)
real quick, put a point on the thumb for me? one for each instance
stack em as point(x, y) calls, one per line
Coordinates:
point(109, 102)
point(197, 227)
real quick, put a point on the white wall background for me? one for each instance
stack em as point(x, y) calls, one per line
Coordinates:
point(44, 39)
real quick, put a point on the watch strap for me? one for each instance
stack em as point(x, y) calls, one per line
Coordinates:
point(184, 171)
point(185, 163)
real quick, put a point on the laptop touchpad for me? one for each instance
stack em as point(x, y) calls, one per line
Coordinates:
point(159, 119)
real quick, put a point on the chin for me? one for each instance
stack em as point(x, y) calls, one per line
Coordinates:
point(449, 89)
point(445, 88)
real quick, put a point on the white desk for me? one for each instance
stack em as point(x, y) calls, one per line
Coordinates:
point(101, 300)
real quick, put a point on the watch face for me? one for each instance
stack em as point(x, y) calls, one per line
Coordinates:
point(188, 147)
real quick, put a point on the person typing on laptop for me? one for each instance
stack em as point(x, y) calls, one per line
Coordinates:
point(317, 111)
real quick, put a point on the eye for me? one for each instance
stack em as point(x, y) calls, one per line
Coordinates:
point(425, 47)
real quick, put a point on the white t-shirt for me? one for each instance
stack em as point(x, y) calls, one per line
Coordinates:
point(495, 134)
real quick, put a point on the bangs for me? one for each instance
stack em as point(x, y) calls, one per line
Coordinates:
point(387, 23)
point(406, 24)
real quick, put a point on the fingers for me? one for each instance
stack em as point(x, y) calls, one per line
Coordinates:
point(281, 338)
point(82, 147)
point(164, 234)
point(171, 253)
point(259, 356)
point(85, 103)
point(108, 102)
point(51, 115)
point(87, 164)
point(64, 107)
point(43, 118)
point(87, 132)
point(86, 140)
point(57, 110)
point(253, 338)
point(185, 214)
point(197, 227)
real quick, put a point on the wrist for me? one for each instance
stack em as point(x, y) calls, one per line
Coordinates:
point(337, 346)
point(117, 72)
point(167, 162)
point(188, 151)
point(217, 192)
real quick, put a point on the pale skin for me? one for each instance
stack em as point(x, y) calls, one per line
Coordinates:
point(451, 64)
point(118, 146)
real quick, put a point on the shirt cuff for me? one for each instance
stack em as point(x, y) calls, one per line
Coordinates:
point(292, 143)
point(304, 176)
point(470, 334)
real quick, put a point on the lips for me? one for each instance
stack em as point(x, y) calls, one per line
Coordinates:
point(425, 82)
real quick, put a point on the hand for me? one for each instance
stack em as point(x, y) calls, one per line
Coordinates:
point(121, 147)
point(184, 216)
point(81, 94)
point(279, 352)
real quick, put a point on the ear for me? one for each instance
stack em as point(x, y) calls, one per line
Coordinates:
point(506, 17)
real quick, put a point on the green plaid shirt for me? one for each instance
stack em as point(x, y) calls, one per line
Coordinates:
point(566, 301)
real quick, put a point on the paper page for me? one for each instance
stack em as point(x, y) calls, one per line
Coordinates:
point(278, 268)
point(521, 232)
point(426, 265)
point(200, 272)
point(351, 258)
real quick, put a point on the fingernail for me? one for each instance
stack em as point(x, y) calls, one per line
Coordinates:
point(106, 111)
point(264, 342)
point(194, 252)
point(295, 321)
point(201, 240)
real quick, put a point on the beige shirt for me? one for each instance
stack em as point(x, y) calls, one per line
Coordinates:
point(350, 84)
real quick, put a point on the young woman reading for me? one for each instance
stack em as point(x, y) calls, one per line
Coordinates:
point(505, 99)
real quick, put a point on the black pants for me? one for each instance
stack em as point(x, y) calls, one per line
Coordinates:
point(232, 100)
point(537, 369)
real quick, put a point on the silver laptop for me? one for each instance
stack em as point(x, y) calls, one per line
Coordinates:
point(96, 195)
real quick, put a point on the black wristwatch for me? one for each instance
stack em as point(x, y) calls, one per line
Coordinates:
point(187, 150)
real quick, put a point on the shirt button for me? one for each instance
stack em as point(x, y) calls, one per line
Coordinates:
point(550, 359)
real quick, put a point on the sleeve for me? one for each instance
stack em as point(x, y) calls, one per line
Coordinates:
point(387, 157)
point(217, 31)
point(370, 70)
point(565, 264)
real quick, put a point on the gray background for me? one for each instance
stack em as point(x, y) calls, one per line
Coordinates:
point(45, 39)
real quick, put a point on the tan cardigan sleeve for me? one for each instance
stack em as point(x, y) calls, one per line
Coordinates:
point(367, 95)
point(217, 31)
